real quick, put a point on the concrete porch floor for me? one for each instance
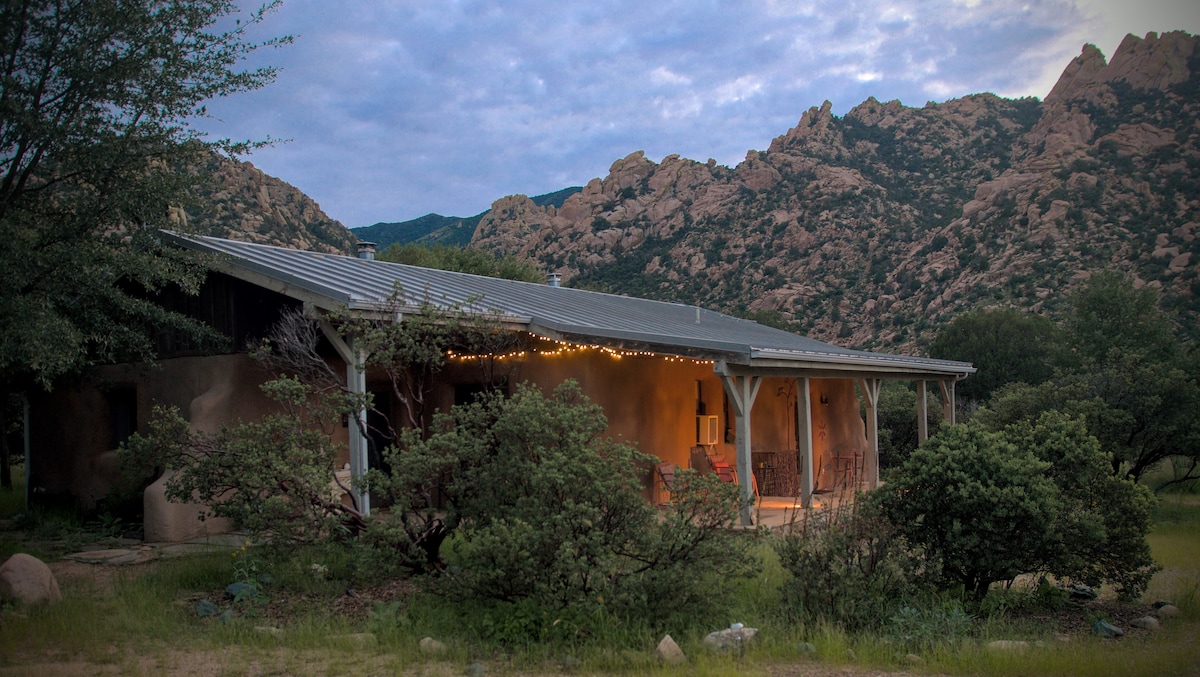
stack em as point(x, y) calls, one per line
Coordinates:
point(778, 513)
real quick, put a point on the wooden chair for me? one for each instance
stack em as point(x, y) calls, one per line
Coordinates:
point(665, 482)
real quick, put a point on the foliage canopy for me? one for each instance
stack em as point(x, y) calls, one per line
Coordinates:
point(474, 261)
point(95, 109)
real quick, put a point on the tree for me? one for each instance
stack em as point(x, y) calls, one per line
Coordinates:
point(1110, 312)
point(979, 503)
point(1125, 374)
point(462, 260)
point(95, 102)
point(1101, 530)
point(1035, 498)
point(95, 108)
point(1005, 345)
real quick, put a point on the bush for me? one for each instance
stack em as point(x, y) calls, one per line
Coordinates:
point(548, 513)
point(1036, 498)
point(849, 567)
point(273, 475)
point(983, 506)
point(1102, 526)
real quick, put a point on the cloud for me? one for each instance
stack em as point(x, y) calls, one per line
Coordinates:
point(399, 109)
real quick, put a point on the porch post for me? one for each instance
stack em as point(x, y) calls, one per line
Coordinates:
point(742, 390)
point(922, 414)
point(804, 428)
point(947, 388)
point(870, 389)
point(356, 376)
point(356, 382)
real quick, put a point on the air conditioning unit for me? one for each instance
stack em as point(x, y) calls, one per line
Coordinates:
point(707, 430)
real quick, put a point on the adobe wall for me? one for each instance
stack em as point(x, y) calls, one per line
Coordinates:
point(652, 401)
point(71, 429)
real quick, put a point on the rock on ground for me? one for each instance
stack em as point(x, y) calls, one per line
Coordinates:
point(730, 639)
point(429, 645)
point(27, 579)
point(669, 652)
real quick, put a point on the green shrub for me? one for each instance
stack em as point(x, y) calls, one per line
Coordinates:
point(549, 515)
point(975, 500)
point(848, 567)
point(1101, 529)
point(273, 475)
point(1036, 498)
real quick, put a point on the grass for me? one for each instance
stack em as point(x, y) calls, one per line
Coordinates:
point(141, 620)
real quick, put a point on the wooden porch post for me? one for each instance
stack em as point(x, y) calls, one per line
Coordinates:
point(742, 390)
point(870, 389)
point(922, 414)
point(947, 388)
point(356, 381)
point(804, 430)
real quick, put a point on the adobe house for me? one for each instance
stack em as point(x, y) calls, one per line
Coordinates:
point(683, 383)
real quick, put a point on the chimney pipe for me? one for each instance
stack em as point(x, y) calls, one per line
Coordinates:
point(554, 279)
point(366, 250)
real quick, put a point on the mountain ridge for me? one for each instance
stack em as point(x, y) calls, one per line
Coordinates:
point(875, 228)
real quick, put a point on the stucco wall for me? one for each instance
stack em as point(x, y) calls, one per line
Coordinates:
point(71, 429)
point(652, 402)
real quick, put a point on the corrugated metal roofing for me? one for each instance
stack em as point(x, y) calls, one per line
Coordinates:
point(618, 321)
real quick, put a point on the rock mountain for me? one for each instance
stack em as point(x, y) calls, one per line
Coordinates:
point(875, 228)
point(240, 202)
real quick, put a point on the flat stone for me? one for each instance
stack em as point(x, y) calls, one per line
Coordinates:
point(476, 670)
point(113, 556)
point(669, 652)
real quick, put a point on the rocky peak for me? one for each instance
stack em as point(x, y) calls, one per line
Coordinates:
point(874, 228)
point(1153, 62)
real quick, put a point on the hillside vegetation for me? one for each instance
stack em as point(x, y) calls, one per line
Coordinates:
point(876, 228)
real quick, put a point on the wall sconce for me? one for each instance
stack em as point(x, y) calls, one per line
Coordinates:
point(824, 399)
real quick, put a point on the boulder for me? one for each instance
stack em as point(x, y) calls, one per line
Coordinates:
point(1103, 628)
point(669, 652)
point(1082, 592)
point(734, 638)
point(27, 579)
point(430, 646)
point(1167, 611)
point(1145, 623)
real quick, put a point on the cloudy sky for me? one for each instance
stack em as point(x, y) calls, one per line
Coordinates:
point(397, 108)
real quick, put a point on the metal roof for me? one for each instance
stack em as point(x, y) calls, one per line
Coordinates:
point(329, 280)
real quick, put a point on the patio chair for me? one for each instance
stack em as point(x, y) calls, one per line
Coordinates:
point(664, 482)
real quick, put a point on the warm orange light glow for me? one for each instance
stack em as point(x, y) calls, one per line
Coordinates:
point(564, 347)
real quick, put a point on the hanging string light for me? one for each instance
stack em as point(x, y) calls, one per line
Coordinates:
point(557, 348)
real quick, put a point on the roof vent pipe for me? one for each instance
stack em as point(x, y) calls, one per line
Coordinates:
point(366, 250)
point(554, 279)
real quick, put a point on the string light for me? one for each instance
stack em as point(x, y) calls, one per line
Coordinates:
point(566, 348)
